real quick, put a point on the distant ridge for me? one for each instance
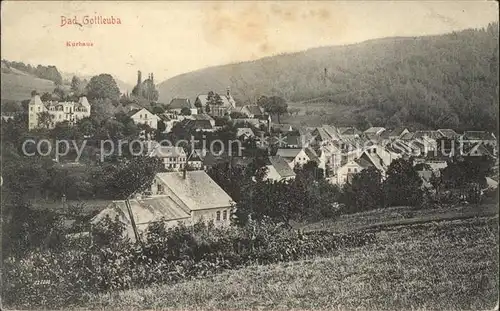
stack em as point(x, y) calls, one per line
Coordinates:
point(437, 80)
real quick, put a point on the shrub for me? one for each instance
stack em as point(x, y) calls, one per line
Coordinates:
point(66, 277)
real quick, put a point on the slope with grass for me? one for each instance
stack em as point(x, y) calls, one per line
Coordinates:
point(18, 85)
point(449, 265)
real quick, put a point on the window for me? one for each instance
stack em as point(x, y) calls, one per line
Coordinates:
point(218, 216)
point(39, 108)
point(348, 170)
point(224, 215)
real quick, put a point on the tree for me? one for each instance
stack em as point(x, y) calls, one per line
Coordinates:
point(365, 192)
point(403, 185)
point(273, 105)
point(45, 119)
point(185, 111)
point(135, 177)
point(103, 86)
point(60, 92)
point(76, 85)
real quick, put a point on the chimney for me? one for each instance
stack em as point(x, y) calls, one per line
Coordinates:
point(152, 79)
point(63, 200)
point(228, 92)
point(139, 77)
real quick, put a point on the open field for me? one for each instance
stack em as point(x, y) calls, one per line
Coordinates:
point(401, 215)
point(447, 265)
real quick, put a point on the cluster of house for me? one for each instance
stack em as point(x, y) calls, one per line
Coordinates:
point(188, 196)
point(203, 115)
point(56, 111)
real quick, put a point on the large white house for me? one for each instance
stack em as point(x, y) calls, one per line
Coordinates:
point(56, 112)
point(144, 116)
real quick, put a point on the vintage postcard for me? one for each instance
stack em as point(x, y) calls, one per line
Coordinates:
point(249, 155)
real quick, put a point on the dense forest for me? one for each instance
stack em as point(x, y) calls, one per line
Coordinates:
point(448, 80)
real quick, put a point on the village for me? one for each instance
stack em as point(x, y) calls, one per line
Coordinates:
point(249, 156)
point(185, 193)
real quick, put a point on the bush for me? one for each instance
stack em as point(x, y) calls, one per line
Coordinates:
point(66, 277)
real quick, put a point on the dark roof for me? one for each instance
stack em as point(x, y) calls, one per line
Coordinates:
point(281, 166)
point(478, 135)
point(407, 136)
point(288, 153)
point(311, 154)
point(393, 133)
point(349, 130)
point(363, 163)
point(430, 134)
point(201, 116)
point(179, 103)
point(255, 110)
point(132, 112)
point(197, 124)
point(448, 133)
point(293, 140)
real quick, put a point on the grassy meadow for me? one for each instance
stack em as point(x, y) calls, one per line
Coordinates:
point(446, 265)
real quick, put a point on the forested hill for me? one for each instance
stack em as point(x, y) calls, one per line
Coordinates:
point(448, 80)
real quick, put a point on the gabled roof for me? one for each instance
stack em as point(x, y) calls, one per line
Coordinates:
point(478, 135)
point(145, 210)
point(167, 151)
point(252, 109)
point(374, 130)
point(179, 103)
point(244, 131)
point(281, 166)
point(393, 133)
point(348, 131)
point(448, 133)
point(135, 111)
point(407, 136)
point(290, 153)
point(201, 116)
point(164, 117)
point(312, 155)
point(321, 134)
point(375, 160)
point(430, 134)
point(197, 124)
point(197, 190)
point(363, 163)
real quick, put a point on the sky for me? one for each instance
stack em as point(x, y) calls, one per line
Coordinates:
point(171, 38)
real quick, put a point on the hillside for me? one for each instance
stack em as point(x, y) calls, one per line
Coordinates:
point(446, 80)
point(17, 85)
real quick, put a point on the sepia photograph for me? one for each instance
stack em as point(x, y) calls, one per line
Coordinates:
point(249, 155)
